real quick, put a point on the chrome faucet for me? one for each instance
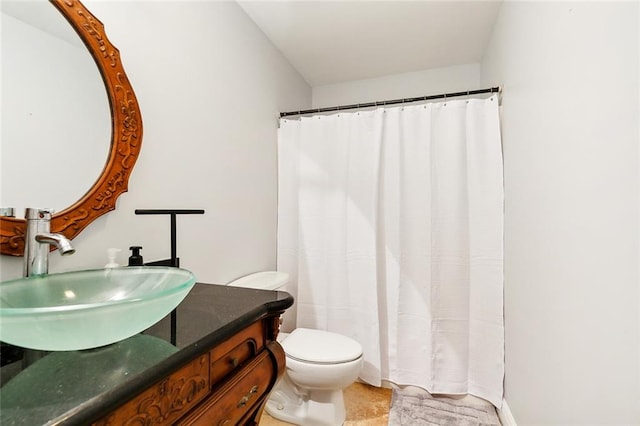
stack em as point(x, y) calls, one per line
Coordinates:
point(38, 238)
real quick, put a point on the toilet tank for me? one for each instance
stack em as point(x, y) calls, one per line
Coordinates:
point(267, 280)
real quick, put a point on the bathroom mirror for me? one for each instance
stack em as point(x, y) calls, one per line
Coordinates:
point(123, 138)
point(37, 133)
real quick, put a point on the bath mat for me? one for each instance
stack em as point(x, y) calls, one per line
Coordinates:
point(410, 407)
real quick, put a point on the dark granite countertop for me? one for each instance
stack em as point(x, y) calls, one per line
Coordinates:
point(78, 387)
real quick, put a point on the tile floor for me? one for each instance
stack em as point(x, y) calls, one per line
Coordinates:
point(366, 406)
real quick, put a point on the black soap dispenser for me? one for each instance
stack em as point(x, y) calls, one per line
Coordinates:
point(136, 258)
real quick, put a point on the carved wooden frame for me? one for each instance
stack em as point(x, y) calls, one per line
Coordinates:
point(126, 137)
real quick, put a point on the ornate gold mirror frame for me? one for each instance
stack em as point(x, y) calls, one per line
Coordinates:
point(126, 137)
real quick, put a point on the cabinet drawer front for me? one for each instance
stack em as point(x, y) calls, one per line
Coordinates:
point(167, 400)
point(231, 355)
point(237, 396)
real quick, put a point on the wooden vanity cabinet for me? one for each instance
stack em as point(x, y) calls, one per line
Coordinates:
point(227, 384)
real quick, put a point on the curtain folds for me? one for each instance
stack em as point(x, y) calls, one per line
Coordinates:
point(390, 224)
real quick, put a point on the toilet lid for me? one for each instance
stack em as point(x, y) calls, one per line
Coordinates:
point(321, 347)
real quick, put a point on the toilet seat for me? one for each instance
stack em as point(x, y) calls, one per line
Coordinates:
point(320, 347)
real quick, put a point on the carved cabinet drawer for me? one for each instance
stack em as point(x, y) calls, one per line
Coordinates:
point(167, 400)
point(232, 355)
point(237, 396)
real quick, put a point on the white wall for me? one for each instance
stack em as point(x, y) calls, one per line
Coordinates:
point(570, 137)
point(210, 86)
point(428, 82)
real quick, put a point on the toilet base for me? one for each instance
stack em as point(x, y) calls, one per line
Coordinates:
point(308, 408)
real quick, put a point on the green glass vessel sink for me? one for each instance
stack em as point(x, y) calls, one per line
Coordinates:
point(88, 309)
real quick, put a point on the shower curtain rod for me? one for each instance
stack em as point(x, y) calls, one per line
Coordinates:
point(393, 101)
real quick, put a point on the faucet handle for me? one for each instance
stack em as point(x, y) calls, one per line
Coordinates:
point(31, 213)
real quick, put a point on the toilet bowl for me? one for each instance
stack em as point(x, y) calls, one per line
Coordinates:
point(319, 365)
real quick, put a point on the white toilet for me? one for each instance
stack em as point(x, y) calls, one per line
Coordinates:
point(319, 365)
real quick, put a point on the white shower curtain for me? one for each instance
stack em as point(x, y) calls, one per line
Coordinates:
point(390, 225)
